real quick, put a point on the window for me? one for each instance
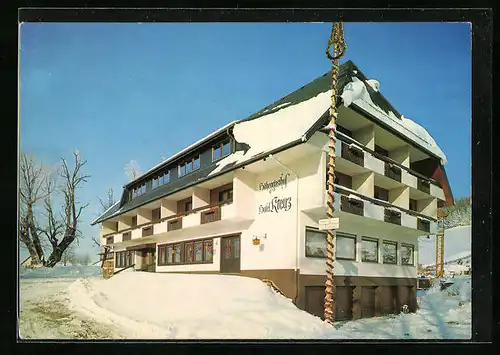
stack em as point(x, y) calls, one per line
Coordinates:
point(161, 179)
point(381, 151)
point(170, 254)
point(139, 190)
point(221, 150)
point(156, 214)
point(110, 240)
point(134, 221)
point(161, 256)
point(381, 194)
point(189, 166)
point(198, 251)
point(177, 253)
point(345, 246)
point(190, 252)
point(407, 254)
point(208, 251)
point(188, 206)
point(341, 179)
point(390, 252)
point(315, 243)
point(413, 205)
point(123, 259)
point(226, 195)
point(369, 250)
point(189, 248)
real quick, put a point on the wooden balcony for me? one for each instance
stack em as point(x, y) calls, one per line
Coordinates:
point(424, 186)
point(126, 236)
point(352, 154)
point(391, 216)
point(174, 224)
point(212, 215)
point(393, 171)
point(423, 225)
point(147, 231)
point(351, 205)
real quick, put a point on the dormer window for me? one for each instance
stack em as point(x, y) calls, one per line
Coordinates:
point(221, 150)
point(189, 166)
point(161, 179)
point(139, 190)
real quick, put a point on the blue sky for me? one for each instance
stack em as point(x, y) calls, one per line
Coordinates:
point(126, 91)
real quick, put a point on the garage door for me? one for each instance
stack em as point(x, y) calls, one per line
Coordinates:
point(315, 300)
point(343, 304)
point(368, 301)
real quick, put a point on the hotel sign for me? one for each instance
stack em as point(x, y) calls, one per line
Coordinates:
point(273, 184)
point(276, 205)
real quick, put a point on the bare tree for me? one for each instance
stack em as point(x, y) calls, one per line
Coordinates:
point(110, 200)
point(72, 180)
point(132, 170)
point(32, 188)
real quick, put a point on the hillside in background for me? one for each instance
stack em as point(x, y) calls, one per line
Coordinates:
point(457, 237)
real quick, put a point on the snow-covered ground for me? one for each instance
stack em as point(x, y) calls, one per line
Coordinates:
point(138, 305)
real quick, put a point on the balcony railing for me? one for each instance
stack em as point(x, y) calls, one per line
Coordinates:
point(147, 231)
point(424, 186)
point(212, 215)
point(393, 171)
point(174, 224)
point(126, 236)
point(352, 154)
point(346, 140)
point(423, 225)
point(351, 205)
point(391, 216)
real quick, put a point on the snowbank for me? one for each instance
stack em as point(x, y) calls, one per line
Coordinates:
point(176, 306)
point(194, 307)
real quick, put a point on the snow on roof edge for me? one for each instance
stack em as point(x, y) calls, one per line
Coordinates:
point(102, 214)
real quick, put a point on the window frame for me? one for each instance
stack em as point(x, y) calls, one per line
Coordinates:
point(403, 245)
point(191, 163)
point(221, 147)
point(139, 190)
point(221, 192)
point(315, 230)
point(123, 259)
point(369, 239)
point(391, 242)
point(347, 236)
point(163, 248)
point(161, 179)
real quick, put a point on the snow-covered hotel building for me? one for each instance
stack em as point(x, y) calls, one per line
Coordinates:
point(246, 200)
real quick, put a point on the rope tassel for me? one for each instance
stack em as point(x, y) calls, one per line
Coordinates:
point(336, 43)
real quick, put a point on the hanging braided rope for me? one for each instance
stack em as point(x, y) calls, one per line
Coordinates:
point(338, 44)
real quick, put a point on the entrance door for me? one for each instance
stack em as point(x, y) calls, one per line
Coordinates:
point(230, 255)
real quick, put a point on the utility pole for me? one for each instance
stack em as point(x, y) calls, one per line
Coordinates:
point(440, 244)
point(336, 43)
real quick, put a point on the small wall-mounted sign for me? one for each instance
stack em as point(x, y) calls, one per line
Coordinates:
point(329, 223)
point(256, 241)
